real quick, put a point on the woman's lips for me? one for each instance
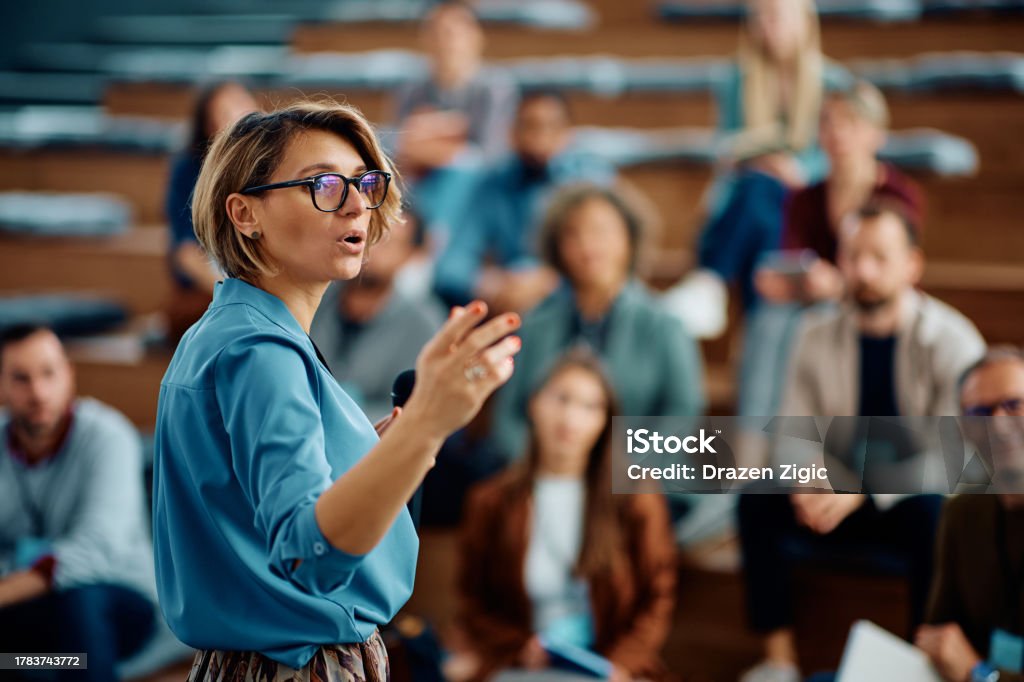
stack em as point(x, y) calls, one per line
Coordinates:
point(353, 243)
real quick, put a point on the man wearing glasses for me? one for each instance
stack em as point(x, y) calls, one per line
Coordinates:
point(887, 351)
point(976, 612)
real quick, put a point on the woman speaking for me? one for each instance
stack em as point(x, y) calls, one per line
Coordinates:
point(281, 534)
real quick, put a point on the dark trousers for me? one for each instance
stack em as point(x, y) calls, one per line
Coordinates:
point(107, 622)
point(900, 538)
point(749, 226)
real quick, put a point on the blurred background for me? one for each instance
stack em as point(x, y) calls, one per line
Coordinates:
point(98, 103)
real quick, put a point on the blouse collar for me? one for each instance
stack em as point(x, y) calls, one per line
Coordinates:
point(233, 291)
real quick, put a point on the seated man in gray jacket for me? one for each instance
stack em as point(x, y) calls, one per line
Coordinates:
point(888, 350)
point(76, 563)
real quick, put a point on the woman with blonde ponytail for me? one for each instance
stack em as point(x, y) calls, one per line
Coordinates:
point(779, 73)
point(768, 107)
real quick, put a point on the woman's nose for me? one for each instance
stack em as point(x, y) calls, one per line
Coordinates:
point(355, 202)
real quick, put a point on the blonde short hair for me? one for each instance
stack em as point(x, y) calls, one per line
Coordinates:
point(866, 100)
point(248, 153)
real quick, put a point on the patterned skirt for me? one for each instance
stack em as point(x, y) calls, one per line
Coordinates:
point(361, 662)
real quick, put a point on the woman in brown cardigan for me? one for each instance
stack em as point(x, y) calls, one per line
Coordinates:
point(547, 549)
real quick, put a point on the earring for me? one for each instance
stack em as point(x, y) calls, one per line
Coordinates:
point(255, 235)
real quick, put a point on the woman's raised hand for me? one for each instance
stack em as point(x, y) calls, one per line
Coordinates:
point(460, 367)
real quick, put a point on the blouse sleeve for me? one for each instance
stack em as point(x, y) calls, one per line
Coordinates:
point(268, 395)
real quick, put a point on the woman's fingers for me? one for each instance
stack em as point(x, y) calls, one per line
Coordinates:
point(460, 322)
point(484, 336)
point(497, 361)
point(463, 363)
point(381, 426)
point(496, 356)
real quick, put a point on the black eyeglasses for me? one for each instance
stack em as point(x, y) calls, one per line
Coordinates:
point(329, 190)
point(1010, 406)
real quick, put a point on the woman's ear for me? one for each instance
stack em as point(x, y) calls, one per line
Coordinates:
point(242, 213)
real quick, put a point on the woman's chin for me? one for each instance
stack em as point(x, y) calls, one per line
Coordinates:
point(345, 269)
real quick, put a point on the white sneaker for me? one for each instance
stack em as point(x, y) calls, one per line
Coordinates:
point(768, 671)
point(701, 302)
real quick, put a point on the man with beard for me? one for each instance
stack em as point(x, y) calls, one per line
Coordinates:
point(976, 612)
point(76, 563)
point(888, 350)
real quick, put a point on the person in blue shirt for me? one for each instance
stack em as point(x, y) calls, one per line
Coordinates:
point(493, 253)
point(281, 535)
point(217, 106)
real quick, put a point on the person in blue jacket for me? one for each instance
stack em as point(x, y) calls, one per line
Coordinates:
point(281, 535)
point(494, 253)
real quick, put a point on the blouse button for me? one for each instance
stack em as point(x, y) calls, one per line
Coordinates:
point(319, 549)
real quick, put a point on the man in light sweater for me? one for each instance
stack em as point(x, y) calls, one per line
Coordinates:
point(888, 350)
point(76, 564)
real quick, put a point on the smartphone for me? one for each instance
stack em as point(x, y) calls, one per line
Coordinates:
point(790, 262)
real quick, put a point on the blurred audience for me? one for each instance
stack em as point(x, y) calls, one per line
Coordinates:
point(368, 330)
point(548, 553)
point(591, 236)
point(453, 121)
point(76, 562)
point(889, 350)
point(768, 107)
point(217, 107)
point(976, 612)
point(415, 278)
point(852, 132)
point(492, 253)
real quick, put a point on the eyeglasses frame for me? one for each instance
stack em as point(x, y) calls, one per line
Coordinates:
point(309, 182)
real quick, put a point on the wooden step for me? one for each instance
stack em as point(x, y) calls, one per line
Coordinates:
point(979, 116)
point(968, 219)
point(130, 268)
point(842, 39)
point(986, 208)
point(132, 385)
point(140, 178)
point(991, 295)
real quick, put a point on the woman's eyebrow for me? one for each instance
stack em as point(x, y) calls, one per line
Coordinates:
point(320, 165)
point(330, 168)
